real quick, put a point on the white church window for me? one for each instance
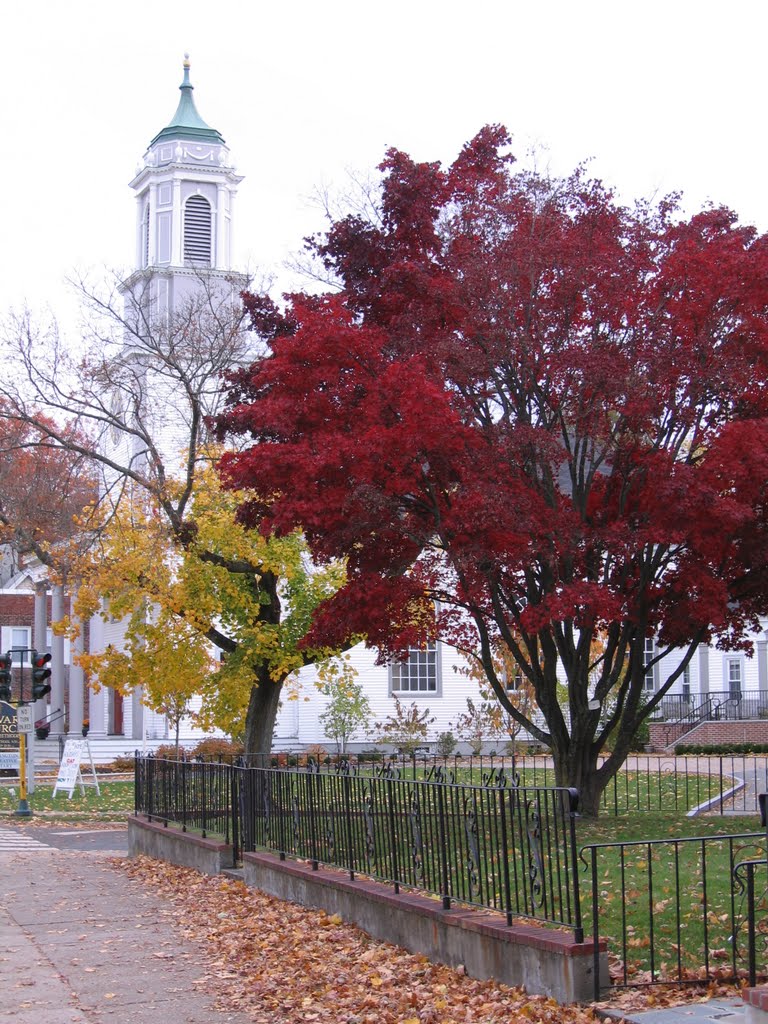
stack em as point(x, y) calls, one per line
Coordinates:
point(418, 674)
point(649, 653)
point(733, 670)
point(197, 231)
point(17, 638)
point(512, 679)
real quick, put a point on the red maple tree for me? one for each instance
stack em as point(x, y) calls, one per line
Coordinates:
point(44, 488)
point(538, 410)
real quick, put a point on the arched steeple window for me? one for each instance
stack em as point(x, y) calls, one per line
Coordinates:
point(197, 231)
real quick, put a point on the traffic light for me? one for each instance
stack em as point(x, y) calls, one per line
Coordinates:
point(40, 675)
point(5, 676)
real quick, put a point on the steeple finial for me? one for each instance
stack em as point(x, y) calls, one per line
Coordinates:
point(186, 122)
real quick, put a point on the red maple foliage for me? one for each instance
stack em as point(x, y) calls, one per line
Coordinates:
point(44, 488)
point(537, 407)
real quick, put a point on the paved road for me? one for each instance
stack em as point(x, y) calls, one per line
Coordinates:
point(31, 838)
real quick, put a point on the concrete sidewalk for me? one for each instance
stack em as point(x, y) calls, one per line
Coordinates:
point(81, 943)
point(724, 1011)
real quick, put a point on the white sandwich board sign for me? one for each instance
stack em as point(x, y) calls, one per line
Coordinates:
point(75, 752)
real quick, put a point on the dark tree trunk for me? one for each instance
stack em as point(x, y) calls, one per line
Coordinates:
point(578, 770)
point(262, 714)
point(577, 767)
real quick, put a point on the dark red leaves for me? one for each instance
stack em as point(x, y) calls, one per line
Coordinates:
point(525, 396)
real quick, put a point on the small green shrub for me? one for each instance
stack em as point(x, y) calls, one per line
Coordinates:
point(372, 755)
point(446, 744)
point(721, 748)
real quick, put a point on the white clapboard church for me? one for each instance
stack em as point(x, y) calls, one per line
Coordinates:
point(185, 192)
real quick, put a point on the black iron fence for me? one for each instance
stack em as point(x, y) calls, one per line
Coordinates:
point(722, 784)
point(672, 910)
point(751, 880)
point(197, 795)
point(497, 846)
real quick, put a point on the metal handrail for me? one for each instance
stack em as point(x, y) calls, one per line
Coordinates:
point(699, 713)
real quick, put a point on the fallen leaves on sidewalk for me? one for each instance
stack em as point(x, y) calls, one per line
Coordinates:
point(285, 964)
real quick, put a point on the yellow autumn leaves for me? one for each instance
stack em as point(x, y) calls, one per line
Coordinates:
point(182, 592)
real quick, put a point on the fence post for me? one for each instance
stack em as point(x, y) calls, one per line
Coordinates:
point(573, 806)
point(183, 773)
point(389, 784)
point(283, 790)
point(445, 881)
point(234, 812)
point(751, 924)
point(721, 784)
point(312, 818)
point(347, 785)
point(202, 775)
point(595, 927)
point(505, 853)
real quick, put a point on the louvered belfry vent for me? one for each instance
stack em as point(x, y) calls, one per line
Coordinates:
point(197, 231)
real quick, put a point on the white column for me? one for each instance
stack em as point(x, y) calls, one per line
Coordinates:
point(57, 662)
point(153, 225)
point(177, 258)
point(231, 228)
point(139, 232)
point(221, 256)
point(703, 670)
point(97, 700)
point(762, 663)
point(137, 713)
point(76, 680)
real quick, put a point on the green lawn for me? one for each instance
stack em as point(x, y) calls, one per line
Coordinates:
point(629, 828)
point(642, 792)
point(667, 906)
point(115, 801)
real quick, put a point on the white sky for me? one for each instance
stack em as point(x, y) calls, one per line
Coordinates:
point(662, 95)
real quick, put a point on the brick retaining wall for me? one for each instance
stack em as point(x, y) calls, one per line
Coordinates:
point(756, 1009)
point(753, 730)
point(171, 844)
point(543, 960)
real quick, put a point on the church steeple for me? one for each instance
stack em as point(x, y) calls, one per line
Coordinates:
point(186, 123)
point(185, 194)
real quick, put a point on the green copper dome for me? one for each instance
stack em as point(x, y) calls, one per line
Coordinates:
point(186, 123)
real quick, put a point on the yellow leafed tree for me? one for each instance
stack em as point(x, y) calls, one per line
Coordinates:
point(185, 595)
